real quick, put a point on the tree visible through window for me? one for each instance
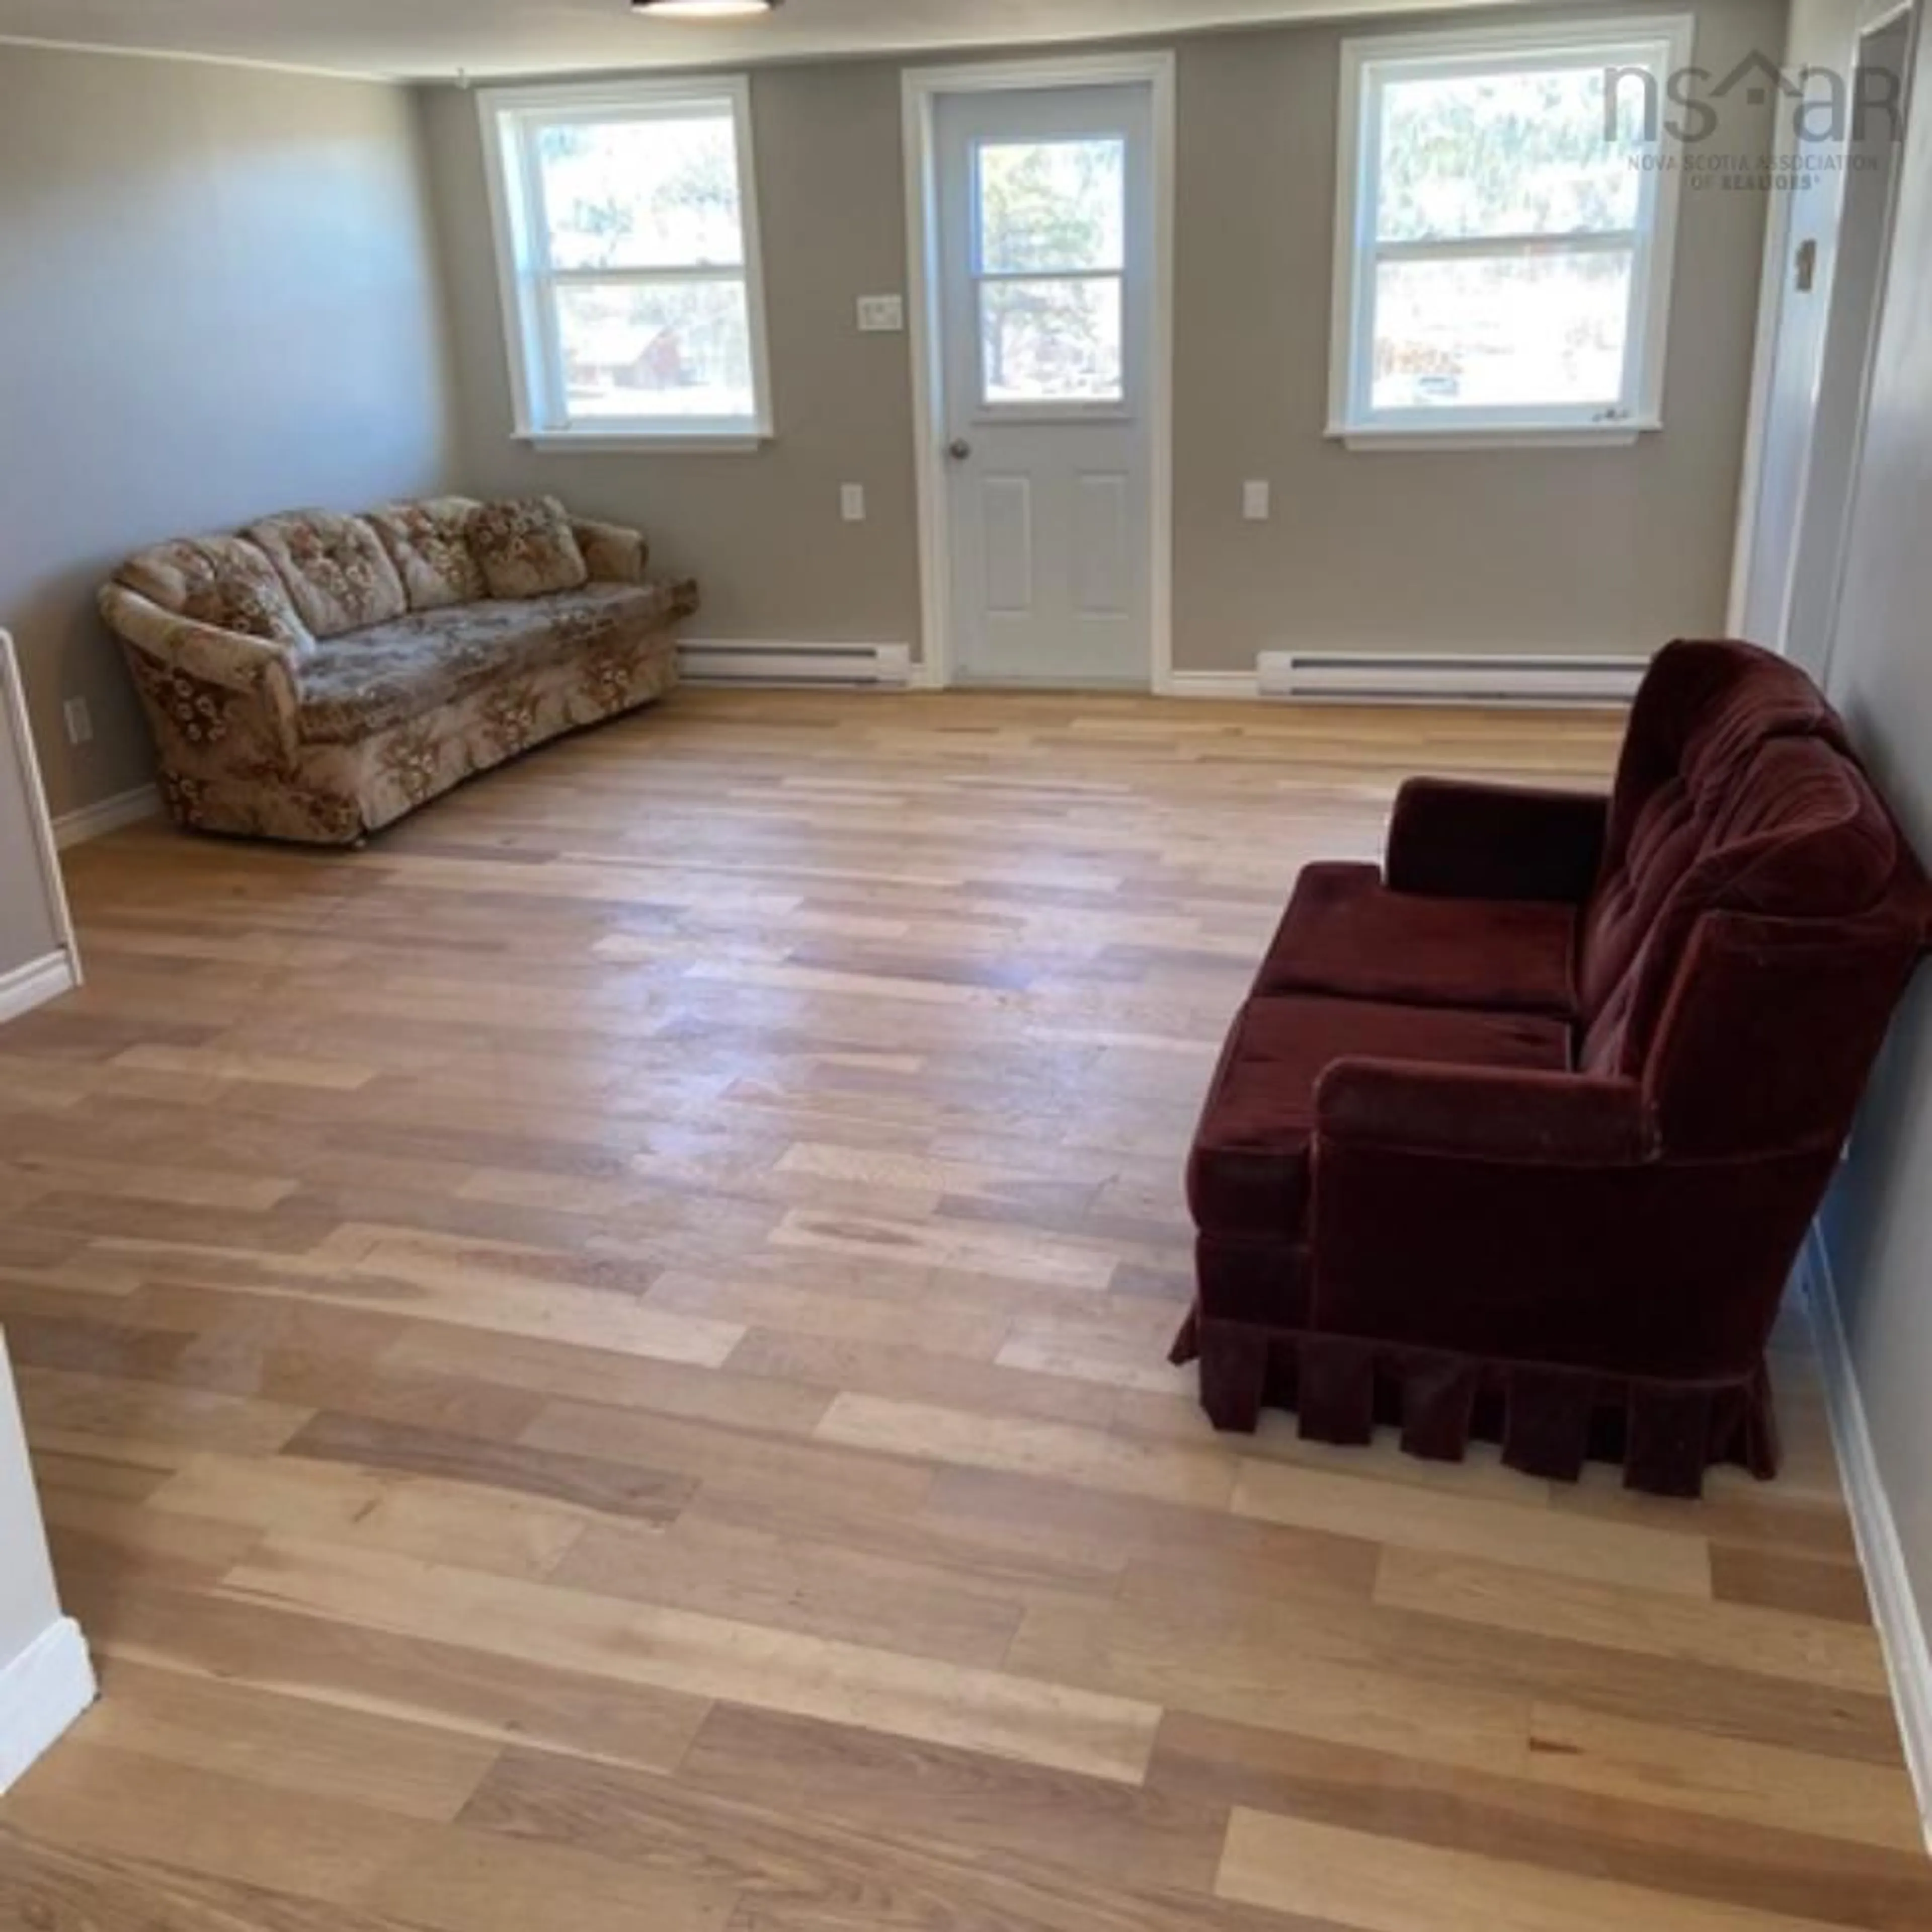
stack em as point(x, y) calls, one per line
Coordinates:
point(1506, 227)
point(630, 237)
point(1050, 261)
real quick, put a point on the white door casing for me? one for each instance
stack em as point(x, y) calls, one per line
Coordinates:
point(1045, 490)
point(1789, 461)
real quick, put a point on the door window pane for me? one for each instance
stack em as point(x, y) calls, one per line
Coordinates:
point(1051, 340)
point(1502, 331)
point(1505, 154)
point(655, 193)
point(1052, 206)
point(656, 349)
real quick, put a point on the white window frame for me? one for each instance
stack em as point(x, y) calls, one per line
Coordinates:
point(511, 117)
point(1368, 65)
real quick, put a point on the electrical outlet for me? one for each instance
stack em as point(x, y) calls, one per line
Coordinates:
point(882, 315)
point(80, 721)
point(1257, 503)
point(852, 503)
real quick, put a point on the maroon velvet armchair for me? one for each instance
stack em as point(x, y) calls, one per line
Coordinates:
point(1518, 1135)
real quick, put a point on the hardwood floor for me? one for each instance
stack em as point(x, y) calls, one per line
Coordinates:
point(599, 1364)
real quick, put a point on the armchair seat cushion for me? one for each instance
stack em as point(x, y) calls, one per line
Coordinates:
point(1249, 1174)
point(1347, 934)
point(393, 672)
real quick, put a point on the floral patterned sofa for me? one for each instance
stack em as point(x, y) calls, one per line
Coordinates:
point(318, 676)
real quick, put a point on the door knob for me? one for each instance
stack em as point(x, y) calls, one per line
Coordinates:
point(959, 449)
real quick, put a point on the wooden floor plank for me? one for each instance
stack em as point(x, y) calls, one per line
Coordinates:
point(1366, 1881)
point(1677, 1560)
point(707, 1656)
point(601, 1361)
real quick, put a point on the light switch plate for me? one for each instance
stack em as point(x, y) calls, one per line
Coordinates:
point(1257, 501)
point(882, 315)
point(80, 721)
point(852, 503)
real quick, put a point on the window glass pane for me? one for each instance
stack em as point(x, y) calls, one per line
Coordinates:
point(652, 193)
point(660, 349)
point(1506, 154)
point(1053, 205)
point(1051, 341)
point(1501, 332)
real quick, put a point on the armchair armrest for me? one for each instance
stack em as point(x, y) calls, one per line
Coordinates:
point(614, 554)
point(1492, 1114)
point(1450, 839)
point(259, 669)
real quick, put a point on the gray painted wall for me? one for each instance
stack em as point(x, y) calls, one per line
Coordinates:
point(217, 299)
point(1579, 550)
point(762, 531)
point(1879, 1221)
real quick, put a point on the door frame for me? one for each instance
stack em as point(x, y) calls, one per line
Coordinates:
point(923, 89)
point(1862, 21)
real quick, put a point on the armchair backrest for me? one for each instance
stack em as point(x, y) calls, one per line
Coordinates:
point(1757, 914)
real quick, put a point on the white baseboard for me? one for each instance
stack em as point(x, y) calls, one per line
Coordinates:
point(95, 821)
point(1235, 684)
point(1895, 1607)
point(744, 661)
point(35, 983)
point(42, 1692)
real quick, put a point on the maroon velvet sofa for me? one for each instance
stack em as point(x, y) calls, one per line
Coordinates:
point(1518, 1135)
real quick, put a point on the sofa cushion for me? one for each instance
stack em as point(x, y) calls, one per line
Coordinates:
point(428, 543)
point(224, 581)
point(1704, 711)
point(395, 672)
point(1249, 1170)
point(337, 574)
point(527, 548)
point(1346, 933)
point(1794, 833)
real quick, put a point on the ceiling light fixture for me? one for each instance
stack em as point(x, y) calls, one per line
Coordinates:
point(702, 10)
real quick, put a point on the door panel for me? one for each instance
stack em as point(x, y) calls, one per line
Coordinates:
point(1100, 567)
point(1045, 308)
point(1007, 516)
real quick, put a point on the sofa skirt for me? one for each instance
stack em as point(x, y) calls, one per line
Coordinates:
point(1549, 1419)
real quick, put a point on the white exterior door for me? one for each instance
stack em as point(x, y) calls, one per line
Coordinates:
point(1046, 206)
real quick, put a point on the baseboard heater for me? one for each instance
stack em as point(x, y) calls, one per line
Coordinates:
point(1392, 677)
point(887, 666)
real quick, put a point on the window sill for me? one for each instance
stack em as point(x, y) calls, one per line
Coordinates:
point(1569, 436)
point(592, 442)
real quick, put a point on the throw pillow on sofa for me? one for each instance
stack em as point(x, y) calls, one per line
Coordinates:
point(334, 570)
point(429, 543)
point(224, 581)
point(527, 548)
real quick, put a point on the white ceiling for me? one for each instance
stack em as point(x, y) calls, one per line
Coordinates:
point(426, 39)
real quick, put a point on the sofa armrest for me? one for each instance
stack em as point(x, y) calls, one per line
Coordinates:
point(1451, 839)
point(614, 554)
point(1492, 1114)
point(257, 668)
